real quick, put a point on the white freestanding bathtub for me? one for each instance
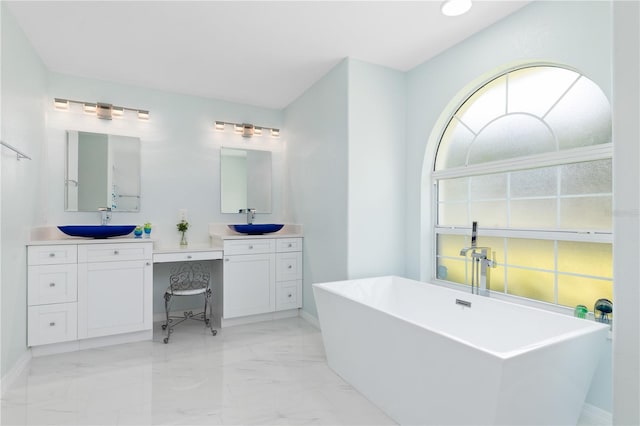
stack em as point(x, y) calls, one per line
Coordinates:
point(416, 351)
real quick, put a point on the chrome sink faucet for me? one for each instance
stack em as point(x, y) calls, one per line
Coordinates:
point(480, 264)
point(251, 214)
point(105, 215)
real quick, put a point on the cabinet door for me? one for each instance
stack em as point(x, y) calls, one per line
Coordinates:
point(249, 285)
point(114, 297)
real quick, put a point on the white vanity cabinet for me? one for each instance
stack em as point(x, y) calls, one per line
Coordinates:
point(51, 294)
point(249, 277)
point(84, 290)
point(115, 288)
point(261, 275)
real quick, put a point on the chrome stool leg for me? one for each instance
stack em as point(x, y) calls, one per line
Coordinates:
point(166, 325)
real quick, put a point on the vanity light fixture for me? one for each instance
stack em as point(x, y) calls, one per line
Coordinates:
point(117, 111)
point(61, 103)
point(90, 108)
point(102, 110)
point(455, 7)
point(247, 130)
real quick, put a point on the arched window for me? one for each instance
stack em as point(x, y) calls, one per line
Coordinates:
point(528, 156)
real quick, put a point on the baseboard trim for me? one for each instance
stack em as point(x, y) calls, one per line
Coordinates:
point(91, 343)
point(594, 416)
point(12, 375)
point(310, 318)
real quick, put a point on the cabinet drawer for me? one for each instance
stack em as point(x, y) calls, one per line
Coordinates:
point(52, 323)
point(288, 266)
point(252, 246)
point(288, 295)
point(52, 284)
point(114, 252)
point(186, 256)
point(288, 244)
point(52, 255)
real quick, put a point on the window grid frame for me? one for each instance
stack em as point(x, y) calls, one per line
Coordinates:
point(558, 158)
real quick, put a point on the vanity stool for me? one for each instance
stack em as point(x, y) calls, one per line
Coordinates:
point(188, 279)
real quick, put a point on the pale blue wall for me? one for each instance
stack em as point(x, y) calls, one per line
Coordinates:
point(626, 207)
point(317, 127)
point(376, 199)
point(22, 125)
point(576, 34)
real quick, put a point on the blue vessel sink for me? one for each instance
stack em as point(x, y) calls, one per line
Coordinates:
point(97, 231)
point(256, 228)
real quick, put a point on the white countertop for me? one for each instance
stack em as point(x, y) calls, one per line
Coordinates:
point(221, 231)
point(81, 240)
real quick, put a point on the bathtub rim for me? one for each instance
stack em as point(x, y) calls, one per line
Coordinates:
point(589, 326)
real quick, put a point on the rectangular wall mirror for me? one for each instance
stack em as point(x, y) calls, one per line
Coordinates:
point(102, 171)
point(245, 180)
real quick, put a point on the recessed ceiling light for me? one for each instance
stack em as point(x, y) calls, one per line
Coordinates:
point(455, 7)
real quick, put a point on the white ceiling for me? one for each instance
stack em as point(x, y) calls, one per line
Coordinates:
point(263, 53)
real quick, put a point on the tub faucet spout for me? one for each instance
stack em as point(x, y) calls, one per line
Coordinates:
point(481, 261)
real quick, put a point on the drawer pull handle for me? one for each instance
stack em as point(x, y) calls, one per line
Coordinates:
point(250, 247)
point(52, 284)
point(289, 267)
point(189, 257)
point(290, 245)
point(52, 324)
point(226, 259)
point(290, 295)
point(148, 263)
point(52, 255)
point(116, 252)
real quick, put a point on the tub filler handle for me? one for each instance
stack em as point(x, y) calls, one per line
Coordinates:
point(463, 303)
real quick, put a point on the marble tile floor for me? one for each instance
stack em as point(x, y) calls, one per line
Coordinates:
point(268, 373)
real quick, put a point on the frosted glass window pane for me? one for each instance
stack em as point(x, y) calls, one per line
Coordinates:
point(491, 214)
point(452, 214)
point(451, 270)
point(496, 278)
point(532, 284)
point(495, 243)
point(534, 183)
point(536, 89)
point(484, 105)
point(582, 117)
point(511, 136)
point(574, 291)
point(586, 213)
point(453, 189)
point(531, 253)
point(593, 177)
point(489, 187)
point(450, 245)
point(585, 258)
point(455, 142)
point(529, 214)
